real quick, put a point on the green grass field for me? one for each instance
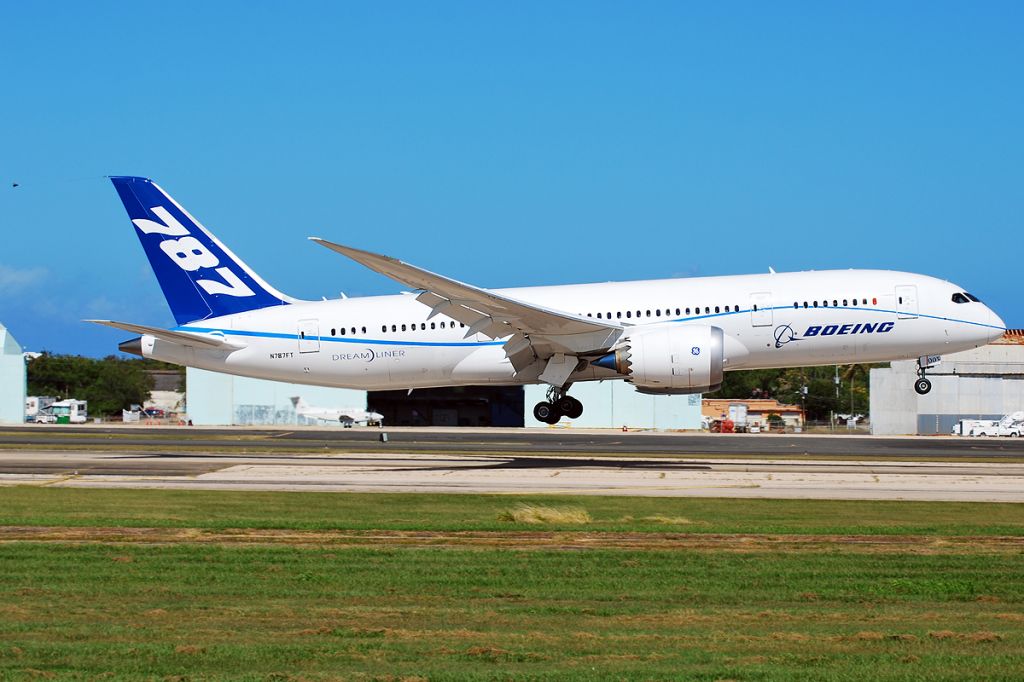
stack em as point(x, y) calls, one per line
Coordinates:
point(893, 591)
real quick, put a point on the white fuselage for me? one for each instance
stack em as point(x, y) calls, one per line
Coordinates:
point(771, 320)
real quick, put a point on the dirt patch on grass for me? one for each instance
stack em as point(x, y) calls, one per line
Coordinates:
point(535, 514)
point(521, 539)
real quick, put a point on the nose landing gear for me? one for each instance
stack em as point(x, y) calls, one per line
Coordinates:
point(925, 362)
point(557, 405)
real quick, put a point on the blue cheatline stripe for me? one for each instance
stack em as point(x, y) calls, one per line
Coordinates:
point(464, 344)
point(894, 312)
point(379, 342)
point(839, 307)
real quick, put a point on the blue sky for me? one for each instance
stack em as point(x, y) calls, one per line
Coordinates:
point(507, 144)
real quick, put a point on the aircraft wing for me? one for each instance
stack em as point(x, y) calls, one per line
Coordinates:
point(544, 330)
point(181, 338)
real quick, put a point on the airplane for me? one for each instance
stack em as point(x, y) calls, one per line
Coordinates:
point(669, 336)
point(347, 416)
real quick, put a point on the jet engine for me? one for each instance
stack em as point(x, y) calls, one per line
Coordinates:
point(669, 359)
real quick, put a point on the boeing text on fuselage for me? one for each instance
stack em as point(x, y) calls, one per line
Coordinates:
point(785, 334)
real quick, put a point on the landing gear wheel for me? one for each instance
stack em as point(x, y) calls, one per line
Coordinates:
point(922, 386)
point(547, 413)
point(570, 407)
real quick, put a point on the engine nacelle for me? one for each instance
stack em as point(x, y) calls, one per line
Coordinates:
point(667, 359)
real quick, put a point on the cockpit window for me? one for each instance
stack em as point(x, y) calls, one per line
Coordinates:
point(972, 297)
point(960, 298)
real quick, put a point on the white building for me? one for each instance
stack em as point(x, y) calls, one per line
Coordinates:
point(984, 383)
point(13, 379)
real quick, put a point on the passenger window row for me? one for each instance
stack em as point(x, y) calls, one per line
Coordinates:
point(628, 314)
point(846, 303)
point(421, 326)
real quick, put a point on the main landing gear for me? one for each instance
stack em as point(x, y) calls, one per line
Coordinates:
point(922, 385)
point(557, 405)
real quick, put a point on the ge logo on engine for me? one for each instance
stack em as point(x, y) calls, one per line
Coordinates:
point(695, 350)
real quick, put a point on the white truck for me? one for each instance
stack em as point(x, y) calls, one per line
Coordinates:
point(738, 415)
point(1012, 425)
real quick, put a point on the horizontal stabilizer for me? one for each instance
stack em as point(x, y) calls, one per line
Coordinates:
point(182, 338)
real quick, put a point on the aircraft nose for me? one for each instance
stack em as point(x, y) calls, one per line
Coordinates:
point(997, 325)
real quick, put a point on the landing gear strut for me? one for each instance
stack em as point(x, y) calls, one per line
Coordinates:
point(557, 405)
point(922, 385)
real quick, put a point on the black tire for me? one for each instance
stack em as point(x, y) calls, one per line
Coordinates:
point(922, 386)
point(547, 413)
point(570, 407)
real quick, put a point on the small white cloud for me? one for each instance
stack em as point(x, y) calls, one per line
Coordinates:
point(14, 280)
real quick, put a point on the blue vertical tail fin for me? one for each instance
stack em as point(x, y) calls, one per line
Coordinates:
point(200, 277)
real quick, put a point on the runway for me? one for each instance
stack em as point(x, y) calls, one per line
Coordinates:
point(502, 474)
point(543, 441)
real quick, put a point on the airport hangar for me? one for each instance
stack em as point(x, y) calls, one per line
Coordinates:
point(221, 399)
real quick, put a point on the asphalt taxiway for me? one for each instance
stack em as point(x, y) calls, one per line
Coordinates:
point(544, 441)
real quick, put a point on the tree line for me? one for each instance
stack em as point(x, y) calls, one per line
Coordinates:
point(786, 385)
point(110, 384)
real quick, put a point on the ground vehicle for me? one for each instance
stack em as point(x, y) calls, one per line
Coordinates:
point(35, 405)
point(983, 427)
point(70, 411)
point(1011, 425)
point(738, 416)
point(965, 426)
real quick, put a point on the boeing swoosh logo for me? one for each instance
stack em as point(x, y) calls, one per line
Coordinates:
point(784, 334)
